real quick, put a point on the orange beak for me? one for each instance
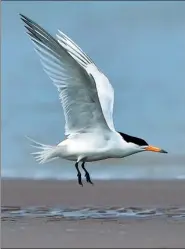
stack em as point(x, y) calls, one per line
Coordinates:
point(155, 149)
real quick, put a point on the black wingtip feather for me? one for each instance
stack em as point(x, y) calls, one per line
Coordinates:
point(23, 17)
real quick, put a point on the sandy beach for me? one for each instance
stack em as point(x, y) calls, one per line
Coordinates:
point(120, 214)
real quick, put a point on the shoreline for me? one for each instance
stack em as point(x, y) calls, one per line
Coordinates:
point(26, 227)
point(144, 193)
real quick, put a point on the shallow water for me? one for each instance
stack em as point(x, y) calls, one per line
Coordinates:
point(138, 45)
point(109, 213)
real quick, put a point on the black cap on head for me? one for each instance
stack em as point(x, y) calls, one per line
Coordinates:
point(135, 140)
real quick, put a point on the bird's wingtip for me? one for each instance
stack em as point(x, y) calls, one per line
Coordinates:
point(21, 15)
point(24, 18)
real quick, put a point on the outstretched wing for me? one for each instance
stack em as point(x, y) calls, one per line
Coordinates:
point(105, 90)
point(74, 78)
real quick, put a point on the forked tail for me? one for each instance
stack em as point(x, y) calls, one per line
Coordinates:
point(45, 154)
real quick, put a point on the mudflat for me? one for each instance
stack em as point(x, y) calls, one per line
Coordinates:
point(48, 213)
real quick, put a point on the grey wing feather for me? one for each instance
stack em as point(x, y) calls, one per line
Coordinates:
point(77, 89)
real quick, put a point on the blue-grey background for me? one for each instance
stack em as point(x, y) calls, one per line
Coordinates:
point(140, 46)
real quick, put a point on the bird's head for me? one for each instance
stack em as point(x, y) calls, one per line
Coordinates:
point(139, 144)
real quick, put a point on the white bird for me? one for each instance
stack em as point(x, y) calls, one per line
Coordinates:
point(87, 98)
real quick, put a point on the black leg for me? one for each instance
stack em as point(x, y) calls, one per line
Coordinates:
point(79, 175)
point(87, 176)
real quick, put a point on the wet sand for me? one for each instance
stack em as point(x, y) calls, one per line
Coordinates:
point(109, 214)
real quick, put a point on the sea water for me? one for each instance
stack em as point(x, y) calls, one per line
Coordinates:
point(138, 45)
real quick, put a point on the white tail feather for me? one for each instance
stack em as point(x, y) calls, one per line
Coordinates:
point(46, 153)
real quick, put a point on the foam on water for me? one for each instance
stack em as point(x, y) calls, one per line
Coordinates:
point(107, 213)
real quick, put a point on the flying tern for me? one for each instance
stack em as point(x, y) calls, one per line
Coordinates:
point(87, 98)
